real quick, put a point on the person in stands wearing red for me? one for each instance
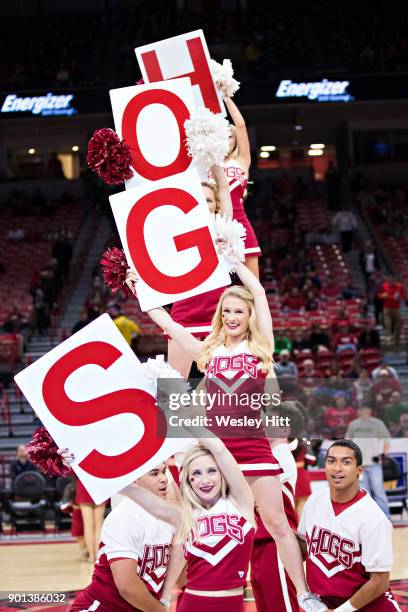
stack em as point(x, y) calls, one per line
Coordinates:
point(383, 389)
point(339, 417)
point(330, 291)
point(392, 293)
point(294, 302)
point(344, 340)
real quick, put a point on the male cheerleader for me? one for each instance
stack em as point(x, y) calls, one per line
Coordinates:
point(133, 556)
point(347, 538)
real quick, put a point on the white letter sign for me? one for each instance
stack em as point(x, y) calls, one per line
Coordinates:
point(93, 397)
point(167, 234)
point(150, 118)
point(184, 55)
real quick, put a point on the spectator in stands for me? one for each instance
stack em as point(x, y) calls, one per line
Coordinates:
point(319, 340)
point(344, 340)
point(94, 305)
point(375, 284)
point(355, 367)
point(312, 303)
point(82, 322)
point(392, 293)
point(300, 342)
point(368, 261)
point(330, 291)
point(394, 410)
point(345, 223)
point(332, 180)
point(402, 430)
point(54, 168)
point(362, 388)
point(383, 389)
point(62, 251)
point(294, 302)
point(286, 368)
point(333, 370)
point(339, 416)
point(350, 291)
point(41, 312)
point(128, 328)
point(21, 464)
point(369, 338)
point(383, 365)
point(309, 377)
point(372, 437)
point(282, 342)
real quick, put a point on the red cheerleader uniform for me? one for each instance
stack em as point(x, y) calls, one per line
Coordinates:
point(219, 560)
point(195, 313)
point(82, 496)
point(303, 486)
point(235, 381)
point(273, 589)
point(129, 532)
point(238, 180)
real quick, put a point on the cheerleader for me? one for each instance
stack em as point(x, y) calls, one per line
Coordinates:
point(273, 590)
point(92, 518)
point(236, 165)
point(238, 355)
point(216, 527)
point(195, 313)
point(133, 553)
point(304, 456)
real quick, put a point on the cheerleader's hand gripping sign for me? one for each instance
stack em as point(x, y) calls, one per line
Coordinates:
point(92, 395)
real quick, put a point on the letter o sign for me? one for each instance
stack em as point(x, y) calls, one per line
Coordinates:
point(129, 133)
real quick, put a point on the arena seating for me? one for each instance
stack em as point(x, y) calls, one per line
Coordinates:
point(261, 39)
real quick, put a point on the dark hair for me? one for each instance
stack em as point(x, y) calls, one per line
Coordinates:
point(295, 412)
point(351, 445)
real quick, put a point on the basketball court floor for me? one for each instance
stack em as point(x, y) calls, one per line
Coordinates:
point(55, 565)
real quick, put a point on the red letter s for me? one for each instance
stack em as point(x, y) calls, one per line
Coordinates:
point(134, 401)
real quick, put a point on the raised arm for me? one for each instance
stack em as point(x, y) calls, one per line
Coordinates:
point(241, 133)
point(166, 511)
point(223, 190)
point(161, 317)
point(240, 490)
point(263, 312)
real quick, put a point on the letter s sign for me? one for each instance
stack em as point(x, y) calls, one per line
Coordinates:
point(75, 413)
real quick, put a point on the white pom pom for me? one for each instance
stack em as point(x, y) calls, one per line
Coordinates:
point(207, 137)
point(158, 368)
point(232, 233)
point(223, 78)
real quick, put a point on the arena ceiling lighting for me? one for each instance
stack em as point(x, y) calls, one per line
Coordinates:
point(31, 151)
point(315, 152)
point(75, 148)
point(268, 148)
point(298, 127)
point(264, 154)
point(317, 146)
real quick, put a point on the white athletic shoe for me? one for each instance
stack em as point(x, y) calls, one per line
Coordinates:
point(309, 602)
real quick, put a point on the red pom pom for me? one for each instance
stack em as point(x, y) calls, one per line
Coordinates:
point(114, 265)
point(42, 451)
point(109, 157)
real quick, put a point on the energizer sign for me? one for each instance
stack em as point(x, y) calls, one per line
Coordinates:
point(321, 91)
